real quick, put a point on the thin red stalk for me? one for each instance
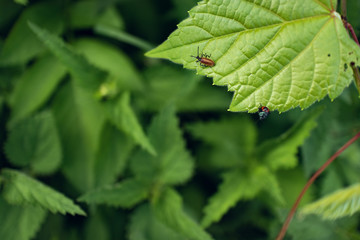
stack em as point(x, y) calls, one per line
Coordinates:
point(353, 34)
point(356, 75)
point(308, 184)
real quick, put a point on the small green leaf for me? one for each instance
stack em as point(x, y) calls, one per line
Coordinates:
point(122, 115)
point(168, 209)
point(78, 18)
point(189, 92)
point(124, 194)
point(35, 86)
point(172, 164)
point(21, 44)
point(233, 140)
point(237, 185)
point(23, 2)
point(342, 203)
point(20, 189)
point(109, 58)
point(35, 143)
point(281, 152)
point(145, 226)
point(20, 222)
point(293, 55)
point(79, 118)
point(111, 158)
point(85, 75)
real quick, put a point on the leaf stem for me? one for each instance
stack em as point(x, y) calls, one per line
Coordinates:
point(343, 8)
point(308, 184)
point(356, 75)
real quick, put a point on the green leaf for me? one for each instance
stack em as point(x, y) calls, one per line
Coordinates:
point(23, 2)
point(293, 55)
point(145, 226)
point(281, 152)
point(342, 203)
point(189, 92)
point(78, 18)
point(233, 140)
point(238, 184)
point(35, 87)
point(122, 115)
point(172, 164)
point(20, 189)
point(124, 194)
point(21, 44)
point(20, 222)
point(80, 120)
point(85, 75)
point(168, 209)
point(35, 142)
point(109, 58)
point(96, 227)
point(111, 157)
point(122, 36)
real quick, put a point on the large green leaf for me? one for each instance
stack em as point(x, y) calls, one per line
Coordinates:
point(27, 220)
point(344, 202)
point(168, 209)
point(35, 142)
point(21, 44)
point(21, 190)
point(281, 53)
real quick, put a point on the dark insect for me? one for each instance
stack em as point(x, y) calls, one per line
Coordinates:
point(204, 59)
point(263, 112)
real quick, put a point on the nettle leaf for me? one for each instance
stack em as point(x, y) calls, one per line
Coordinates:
point(173, 164)
point(281, 151)
point(80, 120)
point(27, 220)
point(35, 87)
point(85, 74)
point(112, 154)
point(232, 139)
point(237, 185)
point(109, 58)
point(21, 44)
point(20, 189)
point(122, 115)
point(168, 209)
point(145, 226)
point(35, 142)
point(124, 194)
point(342, 203)
point(281, 54)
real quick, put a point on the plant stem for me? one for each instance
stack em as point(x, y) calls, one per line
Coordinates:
point(308, 184)
point(356, 75)
point(343, 8)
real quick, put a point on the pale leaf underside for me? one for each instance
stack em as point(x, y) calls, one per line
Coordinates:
point(278, 53)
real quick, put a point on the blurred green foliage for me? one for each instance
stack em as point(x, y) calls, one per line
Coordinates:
point(143, 149)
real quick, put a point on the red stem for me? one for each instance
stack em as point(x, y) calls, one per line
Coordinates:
point(308, 184)
point(353, 34)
